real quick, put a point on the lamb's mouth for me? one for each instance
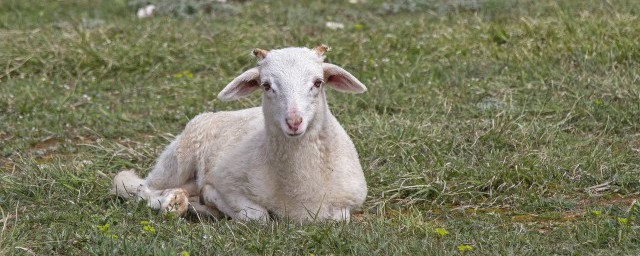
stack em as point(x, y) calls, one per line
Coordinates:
point(294, 134)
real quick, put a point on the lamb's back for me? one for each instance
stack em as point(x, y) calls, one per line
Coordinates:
point(208, 135)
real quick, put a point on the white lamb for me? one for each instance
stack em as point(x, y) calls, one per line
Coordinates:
point(289, 158)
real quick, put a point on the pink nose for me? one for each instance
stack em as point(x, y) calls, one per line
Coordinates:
point(293, 121)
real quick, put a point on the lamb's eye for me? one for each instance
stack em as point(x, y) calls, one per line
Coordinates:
point(266, 86)
point(317, 83)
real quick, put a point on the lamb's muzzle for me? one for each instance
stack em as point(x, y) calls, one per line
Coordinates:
point(293, 121)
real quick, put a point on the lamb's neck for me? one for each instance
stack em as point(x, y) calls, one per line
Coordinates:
point(300, 165)
point(301, 159)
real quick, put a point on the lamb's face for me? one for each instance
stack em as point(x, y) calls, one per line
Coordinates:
point(292, 81)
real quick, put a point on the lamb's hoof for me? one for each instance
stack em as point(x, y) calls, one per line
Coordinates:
point(176, 201)
point(201, 210)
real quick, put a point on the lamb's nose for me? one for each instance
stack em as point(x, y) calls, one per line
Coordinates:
point(294, 121)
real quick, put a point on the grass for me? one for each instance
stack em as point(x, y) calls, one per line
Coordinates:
point(511, 126)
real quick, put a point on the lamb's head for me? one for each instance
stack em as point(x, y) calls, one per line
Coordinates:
point(292, 81)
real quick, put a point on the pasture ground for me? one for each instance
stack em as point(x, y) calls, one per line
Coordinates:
point(489, 128)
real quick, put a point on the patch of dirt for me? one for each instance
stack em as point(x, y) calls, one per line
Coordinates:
point(613, 199)
point(546, 221)
point(4, 136)
point(46, 143)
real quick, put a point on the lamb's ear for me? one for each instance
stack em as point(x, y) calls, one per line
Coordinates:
point(241, 86)
point(341, 80)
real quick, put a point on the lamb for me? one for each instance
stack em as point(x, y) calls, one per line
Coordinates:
point(289, 158)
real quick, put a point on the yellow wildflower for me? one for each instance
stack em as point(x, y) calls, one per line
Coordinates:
point(464, 248)
point(104, 228)
point(441, 232)
point(149, 229)
point(622, 221)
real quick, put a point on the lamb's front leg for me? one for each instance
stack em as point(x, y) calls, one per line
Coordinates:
point(168, 201)
point(234, 204)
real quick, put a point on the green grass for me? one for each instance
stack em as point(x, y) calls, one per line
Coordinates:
point(513, 125)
